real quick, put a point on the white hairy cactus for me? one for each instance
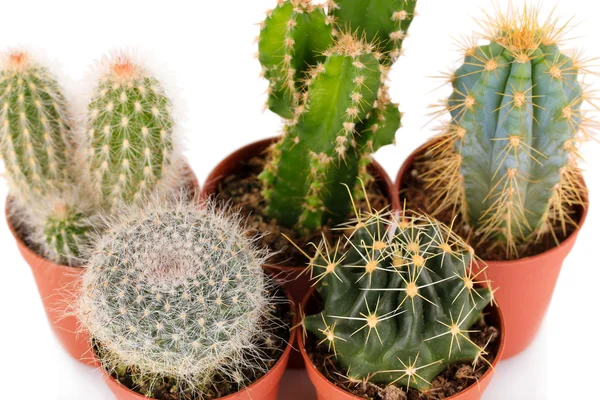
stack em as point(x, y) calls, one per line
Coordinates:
point(175, 290)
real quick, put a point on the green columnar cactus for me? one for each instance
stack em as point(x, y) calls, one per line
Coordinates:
point(130, 129)
point(399, 300)
point(327, 82)
point(320, 147)
point(507, 160)
point(175, 291)
point(291, 40)
point(35, 136)
point(384, 22)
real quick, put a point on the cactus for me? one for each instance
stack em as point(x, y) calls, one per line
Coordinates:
point(399, 300)
point(66, 234)
point(291, 41)
point(384, 22)
point(175, 290)
point(327, 144)
point(507, 160)
point(130, 130)
point(35, 136)
point(328, 81)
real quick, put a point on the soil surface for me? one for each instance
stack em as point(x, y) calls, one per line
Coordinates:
point(419, 198)
point(243, 192)
point(165, 388)
point(456, 378)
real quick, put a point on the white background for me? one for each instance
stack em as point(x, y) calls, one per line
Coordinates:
point(205, 51)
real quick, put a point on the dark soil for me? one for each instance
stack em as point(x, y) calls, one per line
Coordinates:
point(167, 388)
point(243, 192)
point(456, 378)
point(419, 198)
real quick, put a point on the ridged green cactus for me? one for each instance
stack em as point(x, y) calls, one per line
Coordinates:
point(291, 41)
point(399, 300)
point(507, 159)
point(384, 22)
point(130, 129)
point(175, 291)
point(335, 100)
point(319, 150)
point(35, 136)
point(66, 234)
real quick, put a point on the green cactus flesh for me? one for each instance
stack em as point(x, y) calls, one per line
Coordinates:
point(66, 234)
point(320, 149)
point(338, 114)
point(34, 132)
point(399, 301)
point(384, 22)
point(291, 40)
point(130, 129)
point(516, 113)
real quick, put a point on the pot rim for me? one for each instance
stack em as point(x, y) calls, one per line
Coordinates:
point(285, 354)
point(215, 176)
point(488, 374)
point(569, 241)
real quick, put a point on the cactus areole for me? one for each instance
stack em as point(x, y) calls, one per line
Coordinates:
point(508, 158)
point(327, 67)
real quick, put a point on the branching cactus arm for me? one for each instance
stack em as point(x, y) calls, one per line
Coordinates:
point(35, 135)
point(291, 41)
point(130, 145)
point(320, 141)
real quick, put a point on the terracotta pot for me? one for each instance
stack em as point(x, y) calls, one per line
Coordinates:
point(266, 388)
point(58, 286)
point(298, 283)
point(525, 286)
point(326, 390)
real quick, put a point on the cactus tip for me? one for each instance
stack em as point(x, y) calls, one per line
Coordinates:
point(17, 60)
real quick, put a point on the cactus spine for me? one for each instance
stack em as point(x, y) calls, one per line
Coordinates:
point(35, 136)
point(399, 300)
point(175, 290)
point(384, 22)
point(507, 160)
point(130, 129)
point(338, 115)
